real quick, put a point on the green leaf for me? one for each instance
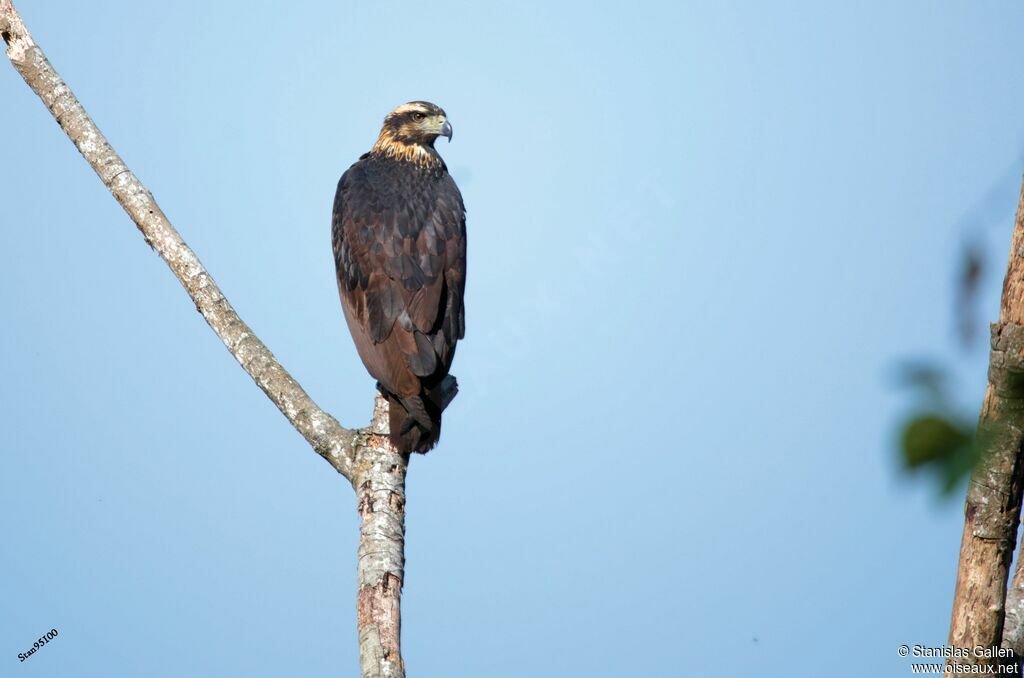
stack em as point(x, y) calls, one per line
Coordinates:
point(932, 438)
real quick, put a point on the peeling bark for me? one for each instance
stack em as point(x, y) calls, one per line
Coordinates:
point(380, 489)
point(364, 456)
point(993, 507)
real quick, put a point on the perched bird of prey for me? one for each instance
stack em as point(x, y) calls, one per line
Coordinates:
point(399, 236)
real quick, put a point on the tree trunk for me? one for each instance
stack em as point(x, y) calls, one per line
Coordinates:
point(994, 494)
point(380, 488)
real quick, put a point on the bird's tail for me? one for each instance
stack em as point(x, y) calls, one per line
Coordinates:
point(415, 421)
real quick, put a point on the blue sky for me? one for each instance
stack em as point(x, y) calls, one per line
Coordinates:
point(701, 236)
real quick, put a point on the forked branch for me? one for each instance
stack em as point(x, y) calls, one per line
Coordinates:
point(364, 456)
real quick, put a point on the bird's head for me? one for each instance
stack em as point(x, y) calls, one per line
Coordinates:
point(409, 132)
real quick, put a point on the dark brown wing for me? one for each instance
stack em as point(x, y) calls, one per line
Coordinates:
point(399, 247)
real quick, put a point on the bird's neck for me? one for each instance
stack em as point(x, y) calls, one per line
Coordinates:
point(388, 146)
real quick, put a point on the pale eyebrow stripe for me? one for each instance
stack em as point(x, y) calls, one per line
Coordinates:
point(406, 108)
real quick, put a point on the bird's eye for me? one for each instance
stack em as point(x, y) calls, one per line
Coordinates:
point(417, 116)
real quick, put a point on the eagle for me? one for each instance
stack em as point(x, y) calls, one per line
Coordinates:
point(398, 232)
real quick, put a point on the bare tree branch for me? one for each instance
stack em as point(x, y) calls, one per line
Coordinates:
point(324, 433)
point(365, 456)
point(994, 495)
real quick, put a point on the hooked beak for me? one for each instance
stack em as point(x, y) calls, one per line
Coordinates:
point(446, 131)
